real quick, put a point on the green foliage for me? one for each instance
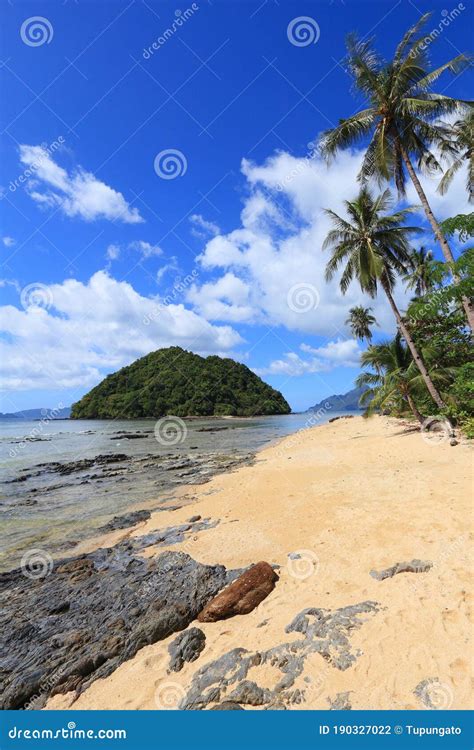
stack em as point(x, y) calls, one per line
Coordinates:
point(462, 225)
point(174, 381)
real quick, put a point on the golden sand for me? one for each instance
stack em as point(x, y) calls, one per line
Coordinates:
point(349, 497)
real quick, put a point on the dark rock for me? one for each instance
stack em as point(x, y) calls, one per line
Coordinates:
point(123, 522)
point(453, 442)
point(186, 646)
point(227, 706)
point(250, 693)
point(415, 566)
point(118, 604)
point(243, 595)
point(193, 519)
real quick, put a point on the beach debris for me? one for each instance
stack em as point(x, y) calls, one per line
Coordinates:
point(343, 416)
point(186, 646)
point(324, 631)
point(118, 603)
point(243, 595)
point(341, 702)
point(415, 566)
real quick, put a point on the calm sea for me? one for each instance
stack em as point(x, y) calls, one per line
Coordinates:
point(49, 508)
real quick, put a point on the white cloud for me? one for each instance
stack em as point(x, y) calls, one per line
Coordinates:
point(278, 247)
point(76, 194)
point(8, 241)
point(93, 328)
point(146, 249)
point(202, 227)
point(340, 353)
point(225, 299)
point(113, 252)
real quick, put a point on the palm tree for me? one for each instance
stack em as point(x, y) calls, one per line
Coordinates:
point(463, 148)
point(396, 377)
point(420, 275)
point(401, 119)
point(375, 249)
point(360, 320)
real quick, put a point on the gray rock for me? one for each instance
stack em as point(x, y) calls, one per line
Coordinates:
point(341, 702)
point(227, 706)
point(118, 603)
point(324, 631)
point(415, 566)
point(186, 646)
point(250, 693)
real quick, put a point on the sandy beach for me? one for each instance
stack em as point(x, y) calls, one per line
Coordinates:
point(328, 505)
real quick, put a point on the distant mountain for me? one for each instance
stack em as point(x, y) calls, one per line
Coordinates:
point(30, 414)
point(174, 381)
point(343, 402)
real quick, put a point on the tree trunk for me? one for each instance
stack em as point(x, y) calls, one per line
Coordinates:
point(414, 409)
point(434, 393)
point(466, 302)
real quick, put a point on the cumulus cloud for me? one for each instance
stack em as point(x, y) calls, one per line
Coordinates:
point(201, 227)
point(77, 194)
point(277, 250)
point(84, 330)
point(339, 353)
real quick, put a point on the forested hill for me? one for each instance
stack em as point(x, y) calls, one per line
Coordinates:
point(174, 381)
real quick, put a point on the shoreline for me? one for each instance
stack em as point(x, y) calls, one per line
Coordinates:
point(329, 508)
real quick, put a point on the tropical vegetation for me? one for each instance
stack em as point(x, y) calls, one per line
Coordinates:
point(178, 382)
point(407, 128)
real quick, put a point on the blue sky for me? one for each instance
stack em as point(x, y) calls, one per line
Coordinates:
point(106, 255)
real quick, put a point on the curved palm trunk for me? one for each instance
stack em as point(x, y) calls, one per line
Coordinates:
point(466, 302)
point(434, 393)
point(414, 409)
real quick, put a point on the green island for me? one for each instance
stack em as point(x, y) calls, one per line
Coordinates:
point(175, 381)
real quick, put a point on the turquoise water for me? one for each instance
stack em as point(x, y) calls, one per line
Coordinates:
point(48, 509)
